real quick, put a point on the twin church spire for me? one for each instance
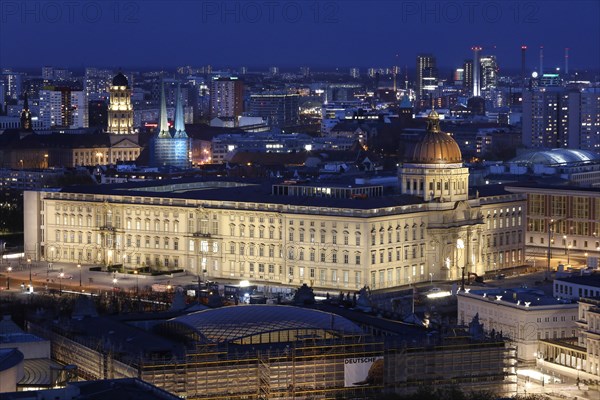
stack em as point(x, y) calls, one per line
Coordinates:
point(163, 122)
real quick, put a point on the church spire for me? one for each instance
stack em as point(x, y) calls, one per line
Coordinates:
point(163, 122)
point(179, 120)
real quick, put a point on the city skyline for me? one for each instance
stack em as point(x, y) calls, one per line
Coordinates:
point(349, 34)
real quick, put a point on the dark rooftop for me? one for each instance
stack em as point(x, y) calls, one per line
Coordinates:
point(592, 280)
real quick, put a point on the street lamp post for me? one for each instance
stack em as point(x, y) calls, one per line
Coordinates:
point(61, 276)
point(431, 278)
point(114, 282)
point(79, 267)
point(8, 270)
point(550, 225)
point(569, 254)
point(29, 265)
point(137, 287)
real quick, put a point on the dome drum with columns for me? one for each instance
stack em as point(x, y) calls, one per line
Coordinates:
point(433, 169)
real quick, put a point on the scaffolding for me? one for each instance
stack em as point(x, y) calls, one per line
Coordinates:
point(303, 369)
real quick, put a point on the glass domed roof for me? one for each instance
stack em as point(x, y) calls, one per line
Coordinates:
point(556, 157)
point(228, 324)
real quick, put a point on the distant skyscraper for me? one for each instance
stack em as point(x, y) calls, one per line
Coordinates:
point(355, 73)
point(274, 70)
point(243, 70)
point(120, 110)
point(226, 97)
point(277, 109)
point(426, 80)
point(62, 107)
point(476, 72)
point(489, 72)
point(305, 71)
point(523, 65)
point(12, 85)
point(468, 77)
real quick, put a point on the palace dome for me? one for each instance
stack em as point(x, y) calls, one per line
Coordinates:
point(120, 80)
point(436, 147)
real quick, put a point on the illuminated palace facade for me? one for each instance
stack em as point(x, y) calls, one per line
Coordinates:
point(326, 235)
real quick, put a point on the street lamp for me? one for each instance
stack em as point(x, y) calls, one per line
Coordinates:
point(550, 225)
point(431, 278)
point(79, 267)
point(8, 270)
point(578, 369)
point(61, 276)
point(569, 254)
point(137, 287)
point(29, 265)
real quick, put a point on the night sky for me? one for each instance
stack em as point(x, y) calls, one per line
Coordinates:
point(165, 34)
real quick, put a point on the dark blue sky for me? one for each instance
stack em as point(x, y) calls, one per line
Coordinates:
point(319, 33)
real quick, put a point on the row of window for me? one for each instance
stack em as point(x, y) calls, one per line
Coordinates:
point(403, 275)
point(410, 252)
point(504, 238)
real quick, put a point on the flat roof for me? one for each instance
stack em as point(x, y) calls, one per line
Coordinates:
point(522, 297)
point(592, 280)
point(246, 192)
point(259, 192)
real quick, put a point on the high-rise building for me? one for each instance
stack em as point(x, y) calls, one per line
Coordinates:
point(63, 107)
point(557, 117)
point(468, 76)
point(459, 76)
point(2, 96)
point(523, 64)
point(489, 72)
point(277, 109)
point(274, 71)
point(476, 71)
point(120, 110)
point(96, 83)
point(426, 80)
point(226, 97)
point(98, 113)
point(47, 73)
point(583, 108)
point(355, 73)
point(12, 84)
